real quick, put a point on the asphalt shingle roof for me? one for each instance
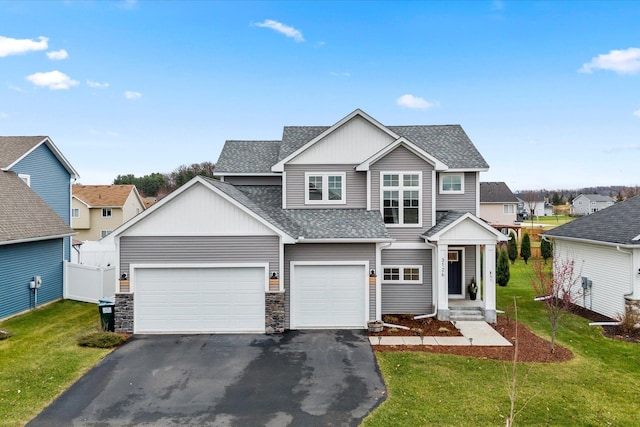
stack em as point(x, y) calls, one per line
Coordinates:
point(24, 215)
point(443, 220)
point(103, 195)
point(248, 156)
point(496, 192)
point(618, 224)
point(597, 198)
point(14, 147)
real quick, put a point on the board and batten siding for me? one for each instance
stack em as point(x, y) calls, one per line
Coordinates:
point(296, 186)
point(327, 252)
point(19, 263)
point(253, 180)
point(459, 202)
point(51, 181)
point(198, 249)
point(400, 298)
point(403, 160)
point(607, 268)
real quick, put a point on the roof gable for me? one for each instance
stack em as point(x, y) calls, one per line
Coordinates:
point(97, 196)
point(617, 224)
point(15, 148)
point(401, 142)
point(24, 216)
point(463, 228)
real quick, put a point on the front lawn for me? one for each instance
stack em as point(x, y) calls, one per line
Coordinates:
point(42, 357)
point(598, 387)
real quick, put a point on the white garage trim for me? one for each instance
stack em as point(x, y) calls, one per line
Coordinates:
point(199, 298)
point(365, 291)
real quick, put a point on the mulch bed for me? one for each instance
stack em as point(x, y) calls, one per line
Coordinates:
point(531, 348)
point(427, 327)
point(613, 332)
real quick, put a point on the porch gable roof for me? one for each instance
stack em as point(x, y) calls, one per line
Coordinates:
point(456, 227)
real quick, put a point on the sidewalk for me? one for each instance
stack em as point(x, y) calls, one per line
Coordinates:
point(474, 333)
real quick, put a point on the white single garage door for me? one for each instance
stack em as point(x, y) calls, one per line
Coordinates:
point(199, 300)
point(328, 296)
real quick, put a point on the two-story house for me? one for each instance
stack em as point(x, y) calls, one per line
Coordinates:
point(329, 227)
point(587, 204)
point(35, 200)
point(498, 205)
point(97, 210)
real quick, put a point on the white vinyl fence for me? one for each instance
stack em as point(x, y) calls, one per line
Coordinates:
point(88, 283)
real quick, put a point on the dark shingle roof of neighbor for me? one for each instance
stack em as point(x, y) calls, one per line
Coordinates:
point(619, 224)
point(266, 201)
point(443, 220)
point(24, 215)
point(248, 156)
point(496, 192)
point(448, 143)
point(14, 147)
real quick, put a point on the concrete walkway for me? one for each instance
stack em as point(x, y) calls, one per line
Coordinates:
point(474, 333)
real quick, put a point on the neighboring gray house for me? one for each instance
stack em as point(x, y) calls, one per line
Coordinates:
point(606, 249)
point(329, 227)
point(498, 205)
point(586, 204)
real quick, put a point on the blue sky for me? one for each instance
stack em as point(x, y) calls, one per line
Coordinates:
point(548, 91)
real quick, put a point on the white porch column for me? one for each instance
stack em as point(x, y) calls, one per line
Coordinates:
point(489, 281)
point(443, 282)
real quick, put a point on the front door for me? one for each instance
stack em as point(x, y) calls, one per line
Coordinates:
point(455, 273)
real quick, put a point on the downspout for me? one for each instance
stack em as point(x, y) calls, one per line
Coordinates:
point(631, 281)
point(435, 289)
point(379, 248)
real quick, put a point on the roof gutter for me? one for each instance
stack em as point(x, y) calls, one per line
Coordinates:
point(37, 239)
point(599, 242)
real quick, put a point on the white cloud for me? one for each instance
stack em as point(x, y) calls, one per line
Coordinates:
point(54, 80)
point(333, 73)
point(132, 95)
point(57, 55)
point(636, 113)
point(9, 46)
point(620, 61)
point(415, 102)
point(282, 29)
point(97, 84)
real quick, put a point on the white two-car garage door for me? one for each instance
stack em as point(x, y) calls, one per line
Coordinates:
point(328, 296)
point(199, 300)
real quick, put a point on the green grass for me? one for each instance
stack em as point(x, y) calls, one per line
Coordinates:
point(599, 387)
point(42, 358)
point(549, 221)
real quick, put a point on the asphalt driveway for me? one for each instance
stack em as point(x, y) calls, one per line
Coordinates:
point(299, 378)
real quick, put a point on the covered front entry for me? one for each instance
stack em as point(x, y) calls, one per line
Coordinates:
point(455, 274)
point(329, 296)
point(199, 300)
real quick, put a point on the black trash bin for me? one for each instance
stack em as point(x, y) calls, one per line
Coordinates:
point(107, 319)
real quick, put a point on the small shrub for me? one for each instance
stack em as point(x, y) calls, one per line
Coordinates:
point(525, 247)
point(391, 319)
point(101, 340)
point(628, 322)
point(4, 334)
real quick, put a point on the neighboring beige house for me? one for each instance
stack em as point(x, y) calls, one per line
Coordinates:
point(97, 210)
point(498, 205)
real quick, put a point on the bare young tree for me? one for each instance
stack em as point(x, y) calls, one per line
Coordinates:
point(558, 290)
point(530, 200)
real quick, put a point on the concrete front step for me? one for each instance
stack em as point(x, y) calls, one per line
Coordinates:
point(465, 314)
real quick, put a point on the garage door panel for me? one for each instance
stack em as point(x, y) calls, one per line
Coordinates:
point(329, 296)
point(199, 300)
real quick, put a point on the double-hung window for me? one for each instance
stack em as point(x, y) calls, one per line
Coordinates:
point(451, 183)
point(402, 198)
point(402, 274)
point(325, 188)
point(75, 213)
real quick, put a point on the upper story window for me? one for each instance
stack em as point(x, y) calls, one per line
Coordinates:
point(325, 188)
point(25, 178)
point(508, 209)
point(401, 198)
point(75, 213)
point(106, 212)
point(452, 183)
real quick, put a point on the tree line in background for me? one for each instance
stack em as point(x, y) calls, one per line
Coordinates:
point(160, 184)
point(561, 196)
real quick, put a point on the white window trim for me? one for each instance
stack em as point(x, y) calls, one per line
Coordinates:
point(26, 178)
point(103, 235)
point(110, 213)
point(402, 281)
point(400, 188)
point(508, 209)
point(440, 182)
point(75, 210)
point(325, 188)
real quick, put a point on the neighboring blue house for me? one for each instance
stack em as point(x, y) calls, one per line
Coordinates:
point(35, 202)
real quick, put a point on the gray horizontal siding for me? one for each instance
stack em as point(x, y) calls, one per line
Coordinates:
point(253, 180)
point(408, 298)
point(400, 160)
point(470, 266)
point(356, 183)
point(327, 252)
point(198, 249)
point(459, 202)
